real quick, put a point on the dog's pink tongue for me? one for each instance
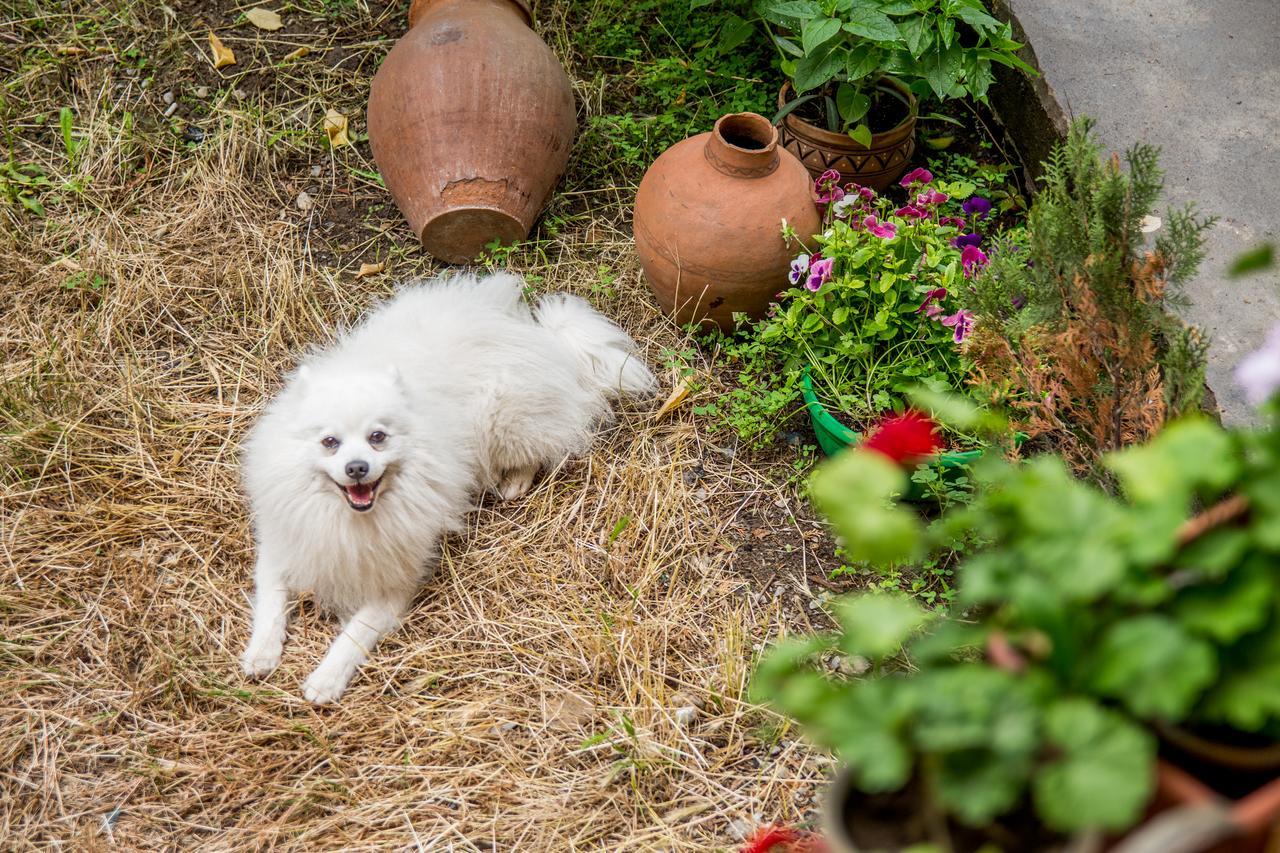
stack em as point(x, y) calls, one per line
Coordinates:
point(360, 493)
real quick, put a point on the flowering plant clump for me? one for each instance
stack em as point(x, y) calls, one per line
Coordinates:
point(877, 306)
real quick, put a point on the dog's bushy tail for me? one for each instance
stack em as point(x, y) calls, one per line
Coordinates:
point(607, 354)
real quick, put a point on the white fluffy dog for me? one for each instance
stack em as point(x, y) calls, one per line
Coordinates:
point(378, 446)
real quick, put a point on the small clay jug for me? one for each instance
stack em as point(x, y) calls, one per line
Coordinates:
point(708, 221)
point(471, 119)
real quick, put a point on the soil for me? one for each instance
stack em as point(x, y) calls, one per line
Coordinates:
point(896, 821)
point(886, 113)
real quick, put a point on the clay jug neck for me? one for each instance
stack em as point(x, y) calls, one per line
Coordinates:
point(743, 145)
point(522, 8)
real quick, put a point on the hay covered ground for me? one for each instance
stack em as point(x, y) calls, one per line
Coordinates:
point(574, 676)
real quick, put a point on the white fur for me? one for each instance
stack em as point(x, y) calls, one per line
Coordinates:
point(473, 390)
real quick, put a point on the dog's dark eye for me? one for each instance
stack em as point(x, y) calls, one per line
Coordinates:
point(377, 437)
point(329, 442)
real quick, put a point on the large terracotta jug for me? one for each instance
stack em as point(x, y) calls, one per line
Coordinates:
point(708, 221)
point(471, 119)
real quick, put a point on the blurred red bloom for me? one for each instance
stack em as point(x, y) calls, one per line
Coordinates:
point(906, 439)
point(780, 839)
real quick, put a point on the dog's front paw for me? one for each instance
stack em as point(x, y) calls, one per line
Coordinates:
point(516, 483)
point(260, 661)
point(325, 686)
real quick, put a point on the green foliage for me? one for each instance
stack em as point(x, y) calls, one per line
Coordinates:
point(839, 49)
point(862, 334)
point(660, 72)
point(1075, 331)
point(979, 739)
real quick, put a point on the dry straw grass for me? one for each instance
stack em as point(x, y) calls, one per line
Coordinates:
point(530, 700)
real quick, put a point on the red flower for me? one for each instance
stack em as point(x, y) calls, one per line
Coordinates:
point(780, 839)
point(906, 439)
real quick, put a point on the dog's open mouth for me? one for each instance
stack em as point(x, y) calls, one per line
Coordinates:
point(361, 495)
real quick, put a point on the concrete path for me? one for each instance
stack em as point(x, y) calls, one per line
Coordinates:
point(1202, 80)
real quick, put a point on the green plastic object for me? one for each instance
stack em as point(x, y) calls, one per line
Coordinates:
point(834, 436)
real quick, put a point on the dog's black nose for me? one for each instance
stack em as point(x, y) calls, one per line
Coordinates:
point(357, 470)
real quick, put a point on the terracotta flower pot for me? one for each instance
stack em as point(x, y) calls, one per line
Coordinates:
point(821, 149)
point(471, 119)
point(708, 221)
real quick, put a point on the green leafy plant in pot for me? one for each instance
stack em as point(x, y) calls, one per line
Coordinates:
point(856, 69)
point(1162, 605)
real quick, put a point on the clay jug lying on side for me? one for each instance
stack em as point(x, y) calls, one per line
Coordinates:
point(708, 221)
point(471, 119)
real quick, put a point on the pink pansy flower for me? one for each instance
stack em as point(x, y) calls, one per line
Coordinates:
point(973, 259)
point(931, 197)
point(917, 176)
point(962, 322)
point(910, 211)
point(820, 273)
point(1259, 373)
point(827, 187)
point(954, 221)
point(866, 192)
point(799, 267)
point(884, 230)
point(929, 307)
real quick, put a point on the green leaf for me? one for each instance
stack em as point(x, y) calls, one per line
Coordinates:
point(1227, 610)
point(32, 204)
point(977, 18)
point(786, 11)
point(818, 32)
point(956, 411)
point(1261, 258)
point(853, 105)
point(865, 729)
point(871, 23)
point(916, 33)
point(816, 69)
point(1105, 775)
point(1248, 700)
point(1190, 453)
point(940, 69)
point(698, 4)
point(876, 625)
point(861, 135)
point(863, 61)
point(1154, 666)
point(735, 31)
point(855, 490)
point(792, 105)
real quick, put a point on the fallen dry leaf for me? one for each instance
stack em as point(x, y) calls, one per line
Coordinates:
point(367, 270)
point(297, 54)
point(264, 19)
point(222, 55)
point(335, 127)
point(678, 395)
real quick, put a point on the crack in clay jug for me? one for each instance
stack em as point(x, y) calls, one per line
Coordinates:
point(471, 121)
point(708, 221)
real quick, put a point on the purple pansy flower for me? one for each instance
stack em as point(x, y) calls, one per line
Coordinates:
point(962, 322)
point(929, 307)
point(972, 259)
point(799, 267)
point(866, 192)
point(1259, 373)
point(917, 176)
point(962, 240)
point(976, 206)
point(1018, 301)
point(819, 273)
point(910, 211)
point(884, 230)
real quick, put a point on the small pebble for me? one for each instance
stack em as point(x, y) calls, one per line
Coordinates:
point(202, 92)
point(194, 133)
point(315, 171)
point(167, 97)
point(686, 715)
point(240, 94)
point(304, 201)
point(171, 109)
